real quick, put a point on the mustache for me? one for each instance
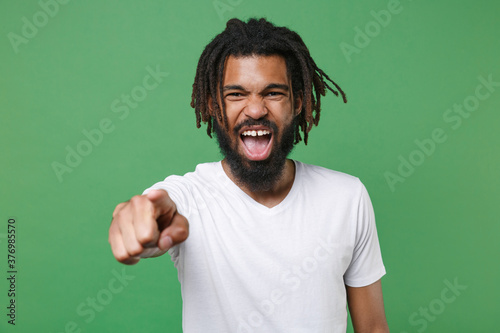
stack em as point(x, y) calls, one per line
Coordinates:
point(254, 122)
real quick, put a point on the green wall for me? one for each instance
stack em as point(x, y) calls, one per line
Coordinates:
point(420, 130)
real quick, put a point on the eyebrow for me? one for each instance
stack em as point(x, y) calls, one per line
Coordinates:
point(233, 87)
point(269, 86)
point(278, 86)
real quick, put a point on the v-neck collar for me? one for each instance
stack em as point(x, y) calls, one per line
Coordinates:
point(230, 185)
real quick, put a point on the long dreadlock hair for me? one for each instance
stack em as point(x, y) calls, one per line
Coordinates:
point(260, 37)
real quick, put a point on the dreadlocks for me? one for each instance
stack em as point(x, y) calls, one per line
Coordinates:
point(260, 37)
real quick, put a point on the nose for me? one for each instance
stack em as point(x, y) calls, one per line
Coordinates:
point(256, 108)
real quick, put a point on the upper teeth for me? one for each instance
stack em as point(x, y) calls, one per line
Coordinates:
point(256, 133)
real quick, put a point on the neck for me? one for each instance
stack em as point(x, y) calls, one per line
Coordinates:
point(273, 196)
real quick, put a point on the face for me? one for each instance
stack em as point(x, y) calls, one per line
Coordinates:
point(260, 111)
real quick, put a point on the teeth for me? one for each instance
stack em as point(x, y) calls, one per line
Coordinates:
point(256, 133)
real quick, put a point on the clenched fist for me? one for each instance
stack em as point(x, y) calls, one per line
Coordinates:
point(146, 226)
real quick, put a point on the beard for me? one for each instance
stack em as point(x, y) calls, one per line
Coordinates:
point(257, 176)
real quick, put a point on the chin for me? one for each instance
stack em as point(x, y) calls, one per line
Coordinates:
point(259, 174)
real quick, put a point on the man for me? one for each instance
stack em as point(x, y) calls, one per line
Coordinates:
point(274, 245)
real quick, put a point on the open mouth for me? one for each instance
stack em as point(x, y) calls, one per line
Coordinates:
point(257, 142)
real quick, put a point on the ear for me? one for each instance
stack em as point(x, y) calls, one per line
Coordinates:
point(297, 103)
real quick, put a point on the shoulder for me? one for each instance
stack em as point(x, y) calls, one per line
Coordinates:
point(321, 176)
point(328, 185)
point(203, 173)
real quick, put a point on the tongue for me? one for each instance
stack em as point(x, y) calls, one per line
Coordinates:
point(256, 144)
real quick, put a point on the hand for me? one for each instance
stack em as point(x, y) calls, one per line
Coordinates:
point(146, 226)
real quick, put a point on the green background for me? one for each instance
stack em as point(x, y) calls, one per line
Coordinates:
point(440, 224)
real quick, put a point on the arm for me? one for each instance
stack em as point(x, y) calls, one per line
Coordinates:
point(366, 306)
point(146, 226)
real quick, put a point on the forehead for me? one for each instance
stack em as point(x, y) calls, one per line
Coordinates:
point(255, 70)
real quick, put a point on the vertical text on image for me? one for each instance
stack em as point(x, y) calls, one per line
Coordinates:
point(11, 271)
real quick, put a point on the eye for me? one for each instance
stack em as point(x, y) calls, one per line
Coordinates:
point(275, 95)
point(234, 95)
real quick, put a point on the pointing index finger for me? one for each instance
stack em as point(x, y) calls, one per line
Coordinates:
point(164, 207)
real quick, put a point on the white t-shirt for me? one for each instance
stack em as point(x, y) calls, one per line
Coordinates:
point(249, 268)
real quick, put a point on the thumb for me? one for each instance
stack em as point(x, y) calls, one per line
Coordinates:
point(173, 227)
point(177, 232)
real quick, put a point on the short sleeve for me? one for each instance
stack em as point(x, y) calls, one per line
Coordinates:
point(366, 266)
